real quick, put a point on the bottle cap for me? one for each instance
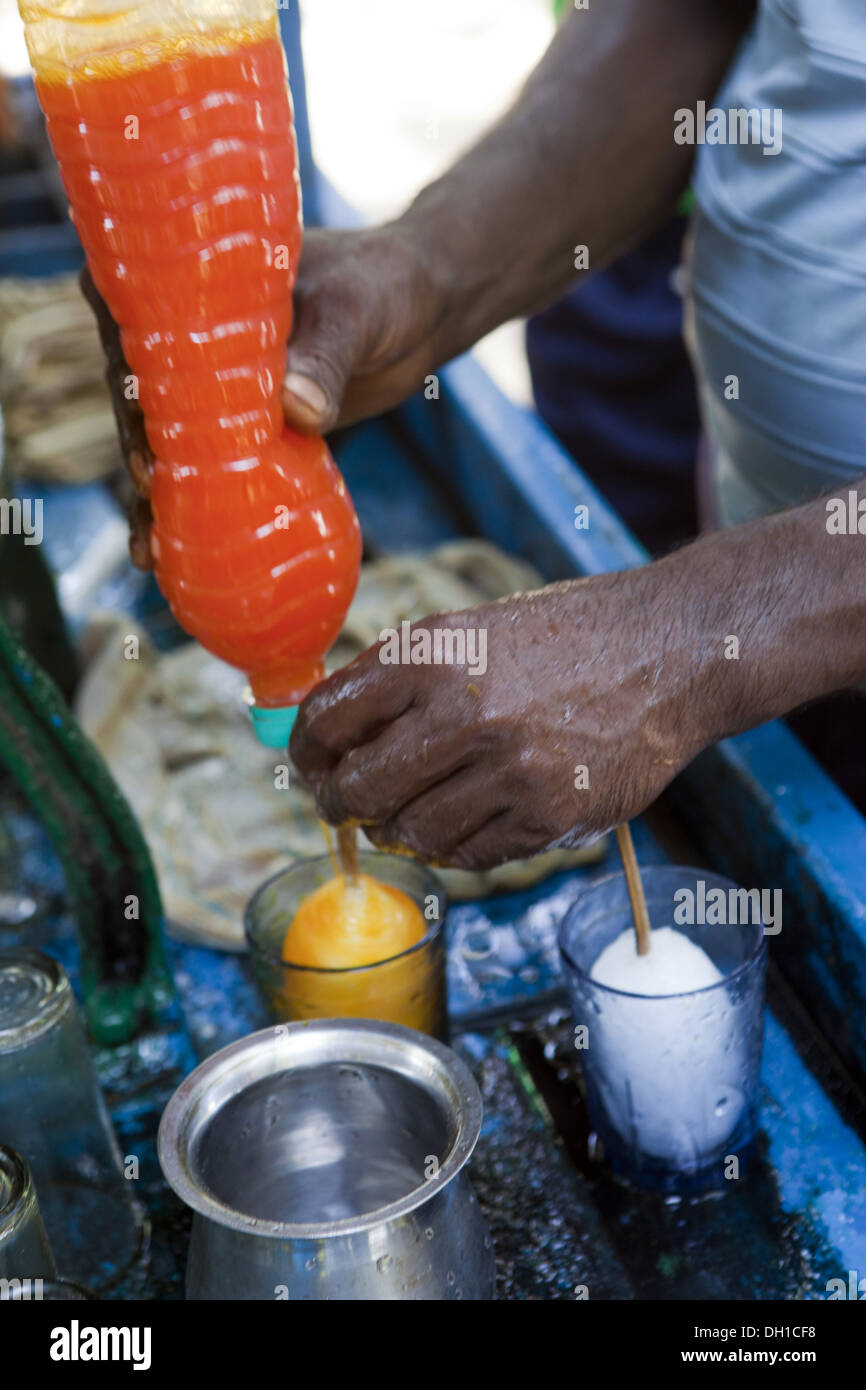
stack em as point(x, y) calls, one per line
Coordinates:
point(273, 725)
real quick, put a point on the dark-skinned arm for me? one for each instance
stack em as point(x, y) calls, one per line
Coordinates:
point(627, 675)
point(585, 157)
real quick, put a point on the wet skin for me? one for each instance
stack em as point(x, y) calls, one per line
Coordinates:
point(473, 769)
point(625, 675)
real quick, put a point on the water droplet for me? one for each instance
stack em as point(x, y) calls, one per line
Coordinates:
point(477, 945)
point(429, 1232)
point(594, 1148)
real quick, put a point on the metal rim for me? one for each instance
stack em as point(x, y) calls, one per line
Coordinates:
point(751, 960)
point(256, 949)
point(414, 1055)
point(52, 1004)
point(19, 1203)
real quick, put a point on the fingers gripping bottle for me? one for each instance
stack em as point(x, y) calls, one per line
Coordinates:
point(172, 124)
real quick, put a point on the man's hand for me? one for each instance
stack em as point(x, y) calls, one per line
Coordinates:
point(376, 311)
point(495, 237)
point(367, 315)
point(580, 719)
point(595, 693)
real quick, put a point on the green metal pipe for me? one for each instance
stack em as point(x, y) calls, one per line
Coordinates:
point(109, 872)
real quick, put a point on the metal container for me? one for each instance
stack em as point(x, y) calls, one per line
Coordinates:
point(326, 1160)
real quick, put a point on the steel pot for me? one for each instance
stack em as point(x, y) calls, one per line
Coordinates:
point(326, 1160)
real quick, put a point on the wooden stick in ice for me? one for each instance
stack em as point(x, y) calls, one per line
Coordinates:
point(635, 887)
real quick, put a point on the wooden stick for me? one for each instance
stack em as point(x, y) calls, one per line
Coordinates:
point(635, 888)
point(347, 849)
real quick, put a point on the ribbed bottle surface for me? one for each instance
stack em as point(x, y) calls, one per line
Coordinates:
point(172, 125)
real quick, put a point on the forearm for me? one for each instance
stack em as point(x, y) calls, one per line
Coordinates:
point(595, 693)
point(586, 156)
point(774, 615)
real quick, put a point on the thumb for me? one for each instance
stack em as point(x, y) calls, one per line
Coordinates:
point(319, 361)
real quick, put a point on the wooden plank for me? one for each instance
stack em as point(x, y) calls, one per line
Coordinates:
point(767, 815)
point(43, 250)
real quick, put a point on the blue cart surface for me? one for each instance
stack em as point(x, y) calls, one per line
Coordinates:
point(469, 463)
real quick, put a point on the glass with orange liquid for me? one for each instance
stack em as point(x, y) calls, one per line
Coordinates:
point(407, 987)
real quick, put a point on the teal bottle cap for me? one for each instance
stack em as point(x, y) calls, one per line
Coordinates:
point(273, 726)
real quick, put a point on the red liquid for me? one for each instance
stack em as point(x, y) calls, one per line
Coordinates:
point(192, 232)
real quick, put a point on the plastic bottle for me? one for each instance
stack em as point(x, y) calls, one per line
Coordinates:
point(172, 125)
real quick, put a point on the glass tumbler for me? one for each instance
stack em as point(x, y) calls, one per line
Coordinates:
point(671, 1080)
point(25, 1255)
point(53, 1112)
point(409, 988)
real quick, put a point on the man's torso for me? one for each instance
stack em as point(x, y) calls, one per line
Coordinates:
point(778, 263)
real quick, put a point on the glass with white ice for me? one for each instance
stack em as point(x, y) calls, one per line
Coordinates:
point(670, 1042)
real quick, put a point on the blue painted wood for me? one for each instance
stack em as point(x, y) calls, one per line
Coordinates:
point(290, 29)
point(44, 250)
point(520, 487)
point(25, 200)
point(334, 209)
point(36, 235)
point(819, 1161)
point(399, 506)
point(768, 816)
